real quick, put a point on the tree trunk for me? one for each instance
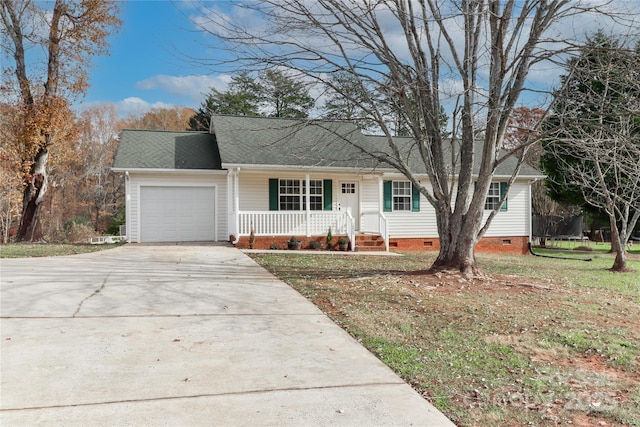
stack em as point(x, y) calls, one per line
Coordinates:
point(618, 247)
point(33, 196)
point(459, 257)
point(458, 239)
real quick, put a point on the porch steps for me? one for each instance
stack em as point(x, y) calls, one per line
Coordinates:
point(369, 243)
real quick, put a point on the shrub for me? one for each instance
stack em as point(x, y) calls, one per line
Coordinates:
point(76, 220)
point(78, 233)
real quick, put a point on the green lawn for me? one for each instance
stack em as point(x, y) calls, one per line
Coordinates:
point(24, 250)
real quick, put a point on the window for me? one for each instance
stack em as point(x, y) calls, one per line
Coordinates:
point(496, 190)
point(292, 194)
point(315, 194)
point(401, 196)
point(348, 188)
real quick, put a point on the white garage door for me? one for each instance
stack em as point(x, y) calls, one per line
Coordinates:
point(177, 214)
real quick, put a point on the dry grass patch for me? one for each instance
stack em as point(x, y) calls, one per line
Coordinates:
point(527, 344)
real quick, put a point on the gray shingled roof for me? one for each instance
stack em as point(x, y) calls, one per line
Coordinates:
point(409, 151)
point(288, 142)
point(262, 141)
point(142, 149)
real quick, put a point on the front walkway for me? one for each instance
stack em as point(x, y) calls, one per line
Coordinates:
point(182, 335)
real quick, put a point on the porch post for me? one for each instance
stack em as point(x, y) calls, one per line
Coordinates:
point(236, 203)
point(308, 204)
point(380, 200)
point(230, 229)
point(127, 207)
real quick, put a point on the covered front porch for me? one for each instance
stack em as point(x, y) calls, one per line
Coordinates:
point(274, 205)
point(309, 225)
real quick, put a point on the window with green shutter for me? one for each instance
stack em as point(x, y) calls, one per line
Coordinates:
point(496, 190)
point(400, 196)
point(291, 194)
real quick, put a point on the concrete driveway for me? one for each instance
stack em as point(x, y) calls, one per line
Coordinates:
point(182, 336)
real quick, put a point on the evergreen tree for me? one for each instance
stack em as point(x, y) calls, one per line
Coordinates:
point(348, 100)
point(284, 96)
point(241, 98)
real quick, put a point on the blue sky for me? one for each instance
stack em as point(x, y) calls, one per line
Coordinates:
point(145, 67)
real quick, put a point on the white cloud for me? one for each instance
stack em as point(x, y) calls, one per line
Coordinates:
point(194, 86)
point(137, 107)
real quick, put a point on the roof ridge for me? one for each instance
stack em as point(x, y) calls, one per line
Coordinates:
point(165, 131)
point(306, 119)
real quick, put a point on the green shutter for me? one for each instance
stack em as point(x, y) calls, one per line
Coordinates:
point(387, 187)
point(273, 194)
point(503, 190)
point(327, 190)
point(415, 199)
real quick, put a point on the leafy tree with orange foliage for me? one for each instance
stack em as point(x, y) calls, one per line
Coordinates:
point(76, 30)
point(176, 118)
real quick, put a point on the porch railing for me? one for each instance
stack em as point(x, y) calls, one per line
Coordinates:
point(294, 223)
point(375, 222)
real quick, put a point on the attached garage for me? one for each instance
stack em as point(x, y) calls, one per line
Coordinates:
point(175, 187)
point(177, 214)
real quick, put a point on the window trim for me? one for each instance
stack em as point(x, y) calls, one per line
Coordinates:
point(401, 196)
point(495, 199)
point(323, 194)
point(388, 197)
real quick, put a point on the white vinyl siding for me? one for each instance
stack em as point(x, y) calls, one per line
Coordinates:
point(514, 221)
point(254, 192)
point(407, 224)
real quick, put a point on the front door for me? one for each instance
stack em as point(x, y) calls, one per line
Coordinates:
point(349, 201)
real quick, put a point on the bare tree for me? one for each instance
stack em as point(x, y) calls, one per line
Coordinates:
point(103, 190)
point(423, 53)
point(68, 34)
point(595, 148)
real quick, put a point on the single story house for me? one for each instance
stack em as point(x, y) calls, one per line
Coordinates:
point(276, 178)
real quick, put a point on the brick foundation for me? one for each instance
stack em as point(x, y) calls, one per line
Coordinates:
point(501, 245)
point(281, 242)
